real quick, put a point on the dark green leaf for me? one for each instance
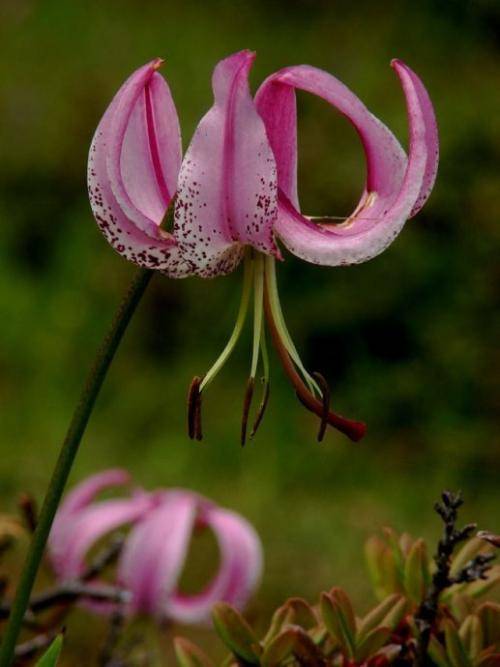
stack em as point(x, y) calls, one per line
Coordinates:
point(189, 655)
point(376, 616)
point(236, 633)
point(372, 643)
point(51, 657)
point(416, 571)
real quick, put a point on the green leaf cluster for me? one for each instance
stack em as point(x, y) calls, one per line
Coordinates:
point(332, 634)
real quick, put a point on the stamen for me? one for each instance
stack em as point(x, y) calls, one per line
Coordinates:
point(257, 312)
point(197, 424)
point(352, 429)
point(240, 321)
point(258, 345)
point(325, 391)
point(265, 382)
point(271, 289)
point(247, 402)
point(194, 409)
point(262, 408)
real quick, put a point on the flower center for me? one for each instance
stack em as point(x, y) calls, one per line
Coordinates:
point(311, 388)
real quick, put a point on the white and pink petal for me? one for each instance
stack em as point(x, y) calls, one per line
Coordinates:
point(132, 171)
point(155, 553)
point(227, 190)
point(80, 531)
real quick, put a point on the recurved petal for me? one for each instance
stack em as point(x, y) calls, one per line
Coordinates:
point(227, 192)
point(133, 163)
point(144, 151)
point(81, 496)
point(79, 531)
point(385, 159)
point(155, 552)
point(419, 103)
point(277, 105)
point(85, 492)
point(394, 185)
point(239, 570)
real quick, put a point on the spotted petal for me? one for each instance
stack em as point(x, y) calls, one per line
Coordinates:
point(227, 193)
point(395, 189)
point(132, 171)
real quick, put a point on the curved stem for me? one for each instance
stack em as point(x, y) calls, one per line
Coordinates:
point(66, 458)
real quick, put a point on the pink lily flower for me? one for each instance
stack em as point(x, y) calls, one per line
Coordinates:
point(156, 548)
point(235, 194)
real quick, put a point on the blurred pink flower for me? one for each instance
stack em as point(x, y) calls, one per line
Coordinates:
point(156, 548)
point(236, 188)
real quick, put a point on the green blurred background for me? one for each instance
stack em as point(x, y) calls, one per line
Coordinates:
point(406, 341)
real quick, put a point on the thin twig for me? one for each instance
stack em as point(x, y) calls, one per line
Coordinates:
point(106, 656)
point(426, 614)
point(31, 647)
point(69, 592)
point(107, 556)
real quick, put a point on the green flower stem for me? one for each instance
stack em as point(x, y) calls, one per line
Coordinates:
point(66, 458)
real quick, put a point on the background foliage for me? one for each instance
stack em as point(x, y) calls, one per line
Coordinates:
point(406, 340)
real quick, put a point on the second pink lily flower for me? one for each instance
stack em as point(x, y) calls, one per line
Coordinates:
point(235, 195)
point(156, 548)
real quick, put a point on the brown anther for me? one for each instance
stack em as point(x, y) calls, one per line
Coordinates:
point(197, 424)
point(27, 507)
point(262, 408)
point(325, 395)
point(194, 409)
point(247, 402)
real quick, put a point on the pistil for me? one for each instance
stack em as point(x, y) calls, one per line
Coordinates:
point(304, 387)
point(271, 287)
point(265, 383)
point(238, 327)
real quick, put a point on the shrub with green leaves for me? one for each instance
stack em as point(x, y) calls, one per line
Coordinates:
point(430, 612)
